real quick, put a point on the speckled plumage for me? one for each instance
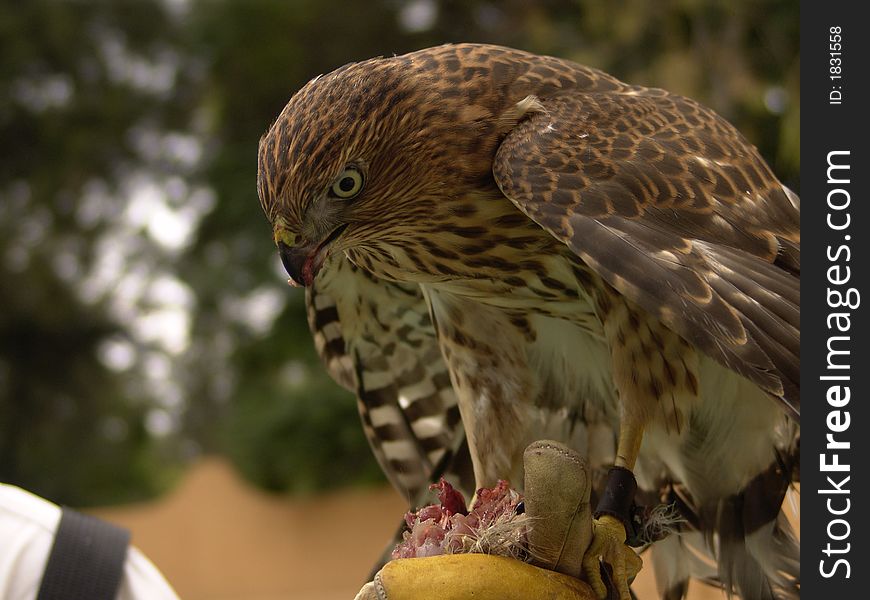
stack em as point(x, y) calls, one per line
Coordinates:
point(550, 252)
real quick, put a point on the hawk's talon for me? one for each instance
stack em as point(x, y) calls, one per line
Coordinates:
point(608, 545)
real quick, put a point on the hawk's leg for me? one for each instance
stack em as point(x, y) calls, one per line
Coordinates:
point(653, 372)
point(609, 525)
point(630, 438)
point(486, 357)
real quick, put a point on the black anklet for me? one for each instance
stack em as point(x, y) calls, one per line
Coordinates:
point(618, 501)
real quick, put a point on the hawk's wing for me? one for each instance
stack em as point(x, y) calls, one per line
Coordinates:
point(377, 340)
point(678, 212)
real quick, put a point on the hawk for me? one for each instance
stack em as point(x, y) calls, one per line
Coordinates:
point(500, 247)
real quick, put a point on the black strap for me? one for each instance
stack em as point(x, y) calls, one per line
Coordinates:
point(86, 560)
point(618, 501)
point(618, 495)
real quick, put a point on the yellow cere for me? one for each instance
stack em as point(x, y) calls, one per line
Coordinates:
point(287, 237)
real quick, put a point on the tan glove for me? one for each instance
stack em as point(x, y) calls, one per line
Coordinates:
point(557, 487)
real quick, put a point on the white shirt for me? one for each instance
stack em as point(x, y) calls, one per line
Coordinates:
point(27, 527)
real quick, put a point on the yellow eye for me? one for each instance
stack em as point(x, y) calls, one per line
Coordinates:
point(348, 184)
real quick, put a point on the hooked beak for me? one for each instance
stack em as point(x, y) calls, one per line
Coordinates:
point(294, 260)
point(304, 260)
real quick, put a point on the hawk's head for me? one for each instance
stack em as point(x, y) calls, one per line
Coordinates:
point(374, 153)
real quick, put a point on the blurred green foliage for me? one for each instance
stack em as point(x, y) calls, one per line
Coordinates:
point(143, 316)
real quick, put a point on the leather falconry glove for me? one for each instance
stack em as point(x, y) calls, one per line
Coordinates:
point(557, 489)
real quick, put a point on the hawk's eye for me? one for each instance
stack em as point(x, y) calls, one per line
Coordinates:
point(348, 184)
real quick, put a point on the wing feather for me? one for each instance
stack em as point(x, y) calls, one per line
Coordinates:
point(678, 212)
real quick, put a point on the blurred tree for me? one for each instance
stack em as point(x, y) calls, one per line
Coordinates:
point(144, 317)
point(82, 87)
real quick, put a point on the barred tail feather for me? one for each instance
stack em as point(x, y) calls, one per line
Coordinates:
point(672, 565)
point(763, 564)
point(758, 551)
